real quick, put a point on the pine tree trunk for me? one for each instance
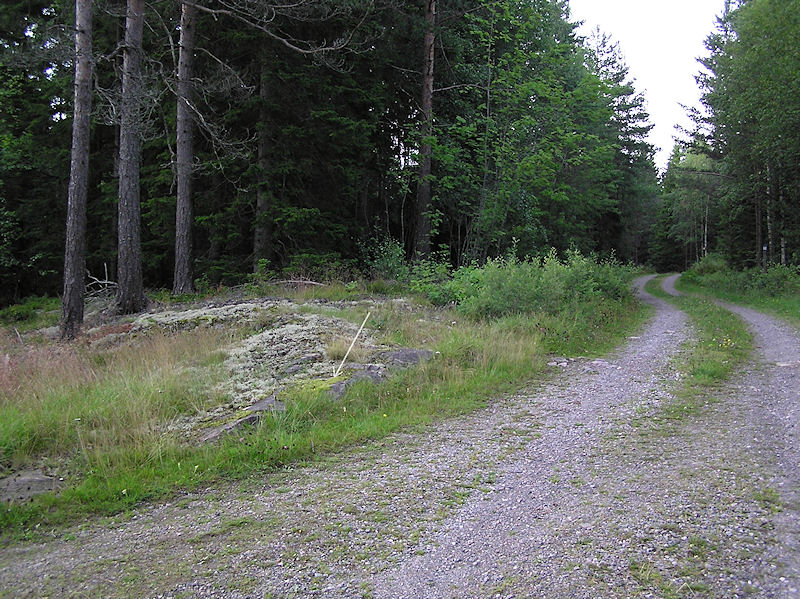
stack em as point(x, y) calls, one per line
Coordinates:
point(423, 237)
point(75, 247)
point(759, 235)
point(182, 280)
point(130, 292)
point(262, 238)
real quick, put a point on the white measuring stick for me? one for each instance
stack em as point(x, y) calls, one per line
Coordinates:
point(338, 370)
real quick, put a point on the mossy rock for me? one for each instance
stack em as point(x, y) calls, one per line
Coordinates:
point(315, 386)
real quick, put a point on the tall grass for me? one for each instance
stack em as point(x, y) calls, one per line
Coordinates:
point(56, 398)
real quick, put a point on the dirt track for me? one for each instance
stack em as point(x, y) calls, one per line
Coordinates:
point(575, 489)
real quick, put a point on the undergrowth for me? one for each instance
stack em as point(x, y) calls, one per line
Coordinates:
point(33, 313)
point(105, 414)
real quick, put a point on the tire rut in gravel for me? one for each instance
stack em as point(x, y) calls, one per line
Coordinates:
point(766, 396)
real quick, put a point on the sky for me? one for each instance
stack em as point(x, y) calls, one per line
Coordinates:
point(660, 40)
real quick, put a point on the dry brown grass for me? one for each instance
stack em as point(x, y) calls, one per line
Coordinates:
point(58, 398)
point(336, 348)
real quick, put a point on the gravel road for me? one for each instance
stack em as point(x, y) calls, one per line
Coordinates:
point(580, 488)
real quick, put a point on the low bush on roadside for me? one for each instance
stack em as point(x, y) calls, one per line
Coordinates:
point(776, 290)
point(510, 286)
point(713, 273)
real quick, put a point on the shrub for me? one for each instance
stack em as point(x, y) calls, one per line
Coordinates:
point(385, 259)
point(323, 267)
point(776, 281)
point(430, 277)
point(508, 286)
point(710, 264)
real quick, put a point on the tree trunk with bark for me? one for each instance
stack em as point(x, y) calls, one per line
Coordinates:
point(262, 238)
point(130, 291)
point(75, 246)
point(760, 254)
point(182, 279)
point(423, 236)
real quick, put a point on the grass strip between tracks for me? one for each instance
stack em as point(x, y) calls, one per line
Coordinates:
point(722, 344)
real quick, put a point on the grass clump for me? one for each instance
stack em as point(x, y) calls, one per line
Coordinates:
point(32, 313)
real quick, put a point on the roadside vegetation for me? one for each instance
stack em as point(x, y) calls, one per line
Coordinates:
point(99, 418)
point(775, 290)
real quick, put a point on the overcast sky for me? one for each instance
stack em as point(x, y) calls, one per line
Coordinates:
point(660, 40)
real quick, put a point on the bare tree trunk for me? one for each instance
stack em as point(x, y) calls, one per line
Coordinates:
point(423, 237)
point(759, 234)
point(770, 240)
point(783, 224)
point(182, 280)
point(130, 291)
point(262, 239)
point(75, 246)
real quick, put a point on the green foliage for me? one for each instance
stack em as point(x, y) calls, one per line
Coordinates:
point(262, 279)
point(32, 313)
point(688, 221)
point(386, 259)
point(752, 97)
point(775, 290)
point(430, 278)
point(322, 266)
point(507, 286)
point(710, 264)
point(10, 233)
point(537, 138)
point(714, 274)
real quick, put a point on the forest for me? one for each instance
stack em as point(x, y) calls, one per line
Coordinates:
point(187, 144)
point(732, 188)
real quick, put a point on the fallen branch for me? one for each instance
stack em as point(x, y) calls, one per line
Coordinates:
point(337, 371)
point(97, 287)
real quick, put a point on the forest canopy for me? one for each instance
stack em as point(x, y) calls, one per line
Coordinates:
point(734, 188)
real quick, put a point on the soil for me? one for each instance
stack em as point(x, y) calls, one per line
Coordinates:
point(576, 488)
